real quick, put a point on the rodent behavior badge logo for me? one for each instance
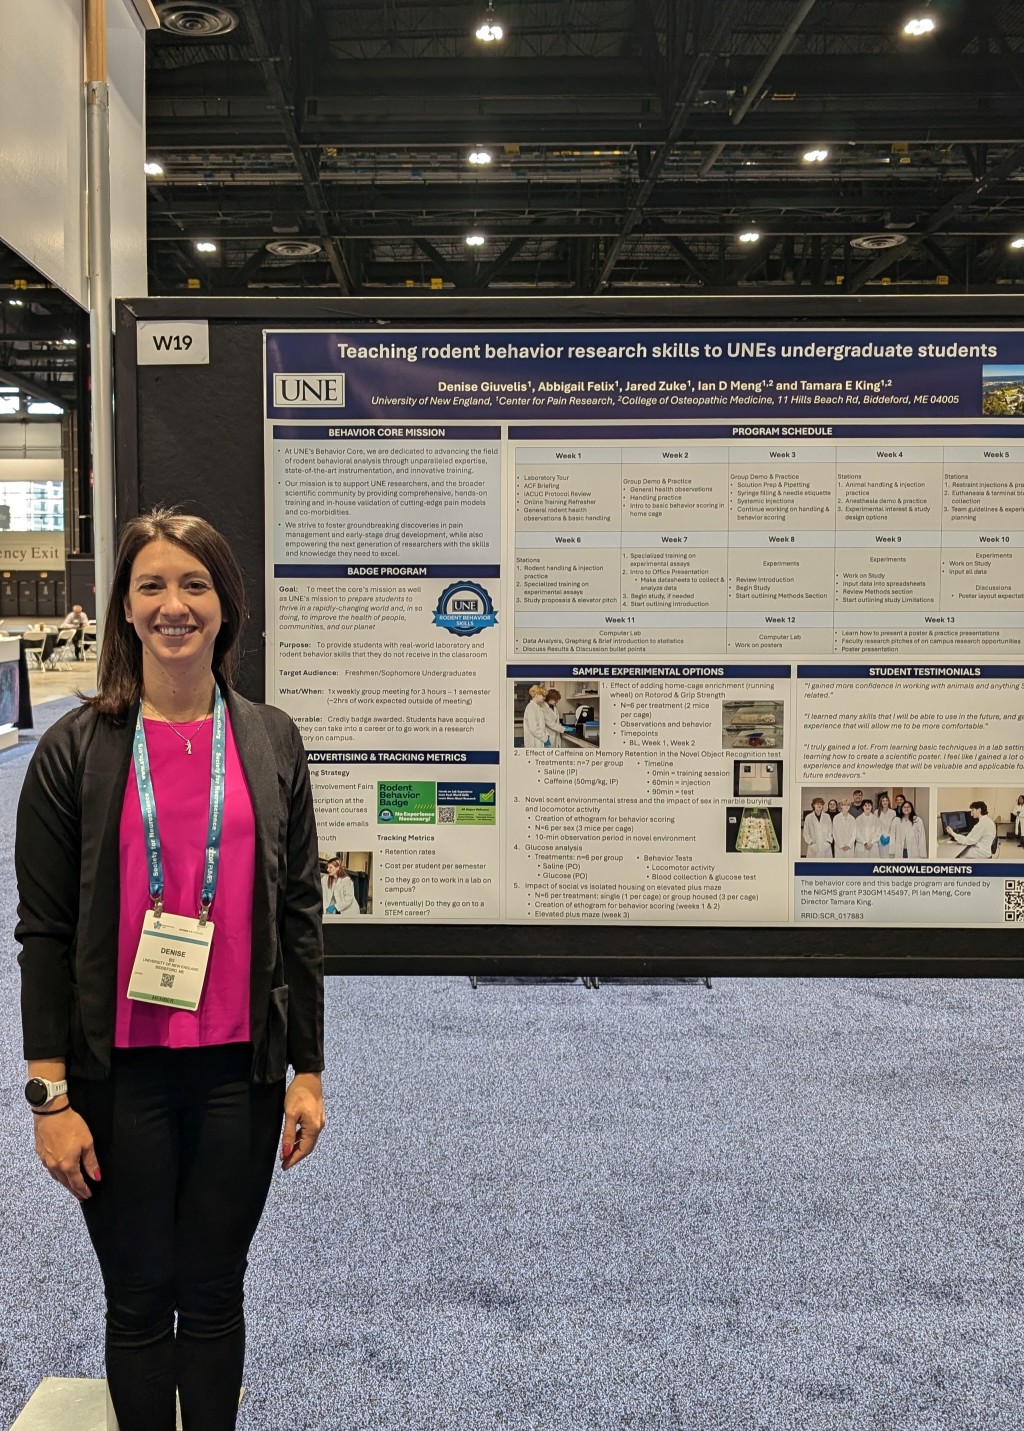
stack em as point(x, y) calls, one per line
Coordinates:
point(465, 608)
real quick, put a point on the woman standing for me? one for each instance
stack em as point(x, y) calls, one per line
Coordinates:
point(536, 727)
point(909, 837)
point(1018, 821)
point(172, 969)
point(832, 810)
point(886, 818)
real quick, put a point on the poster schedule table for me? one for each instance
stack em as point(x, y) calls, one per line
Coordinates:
point(774, 548)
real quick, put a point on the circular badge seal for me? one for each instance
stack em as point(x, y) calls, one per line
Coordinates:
point(465, 608)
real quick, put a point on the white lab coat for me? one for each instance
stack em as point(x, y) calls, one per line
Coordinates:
point(1018, 821)
point(977, 843)
point(553, 721)
point(535, 726)
point(909, 835)
point(342, 894)
point(817, 836)
point(867, 837)
point(887, 822)
point(844, 832)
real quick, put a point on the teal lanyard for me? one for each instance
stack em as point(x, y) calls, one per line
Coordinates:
point(215, 822)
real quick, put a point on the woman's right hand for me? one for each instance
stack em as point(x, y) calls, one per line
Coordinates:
point(65, 1145)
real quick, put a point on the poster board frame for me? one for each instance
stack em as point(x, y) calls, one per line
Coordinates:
point(153, 403)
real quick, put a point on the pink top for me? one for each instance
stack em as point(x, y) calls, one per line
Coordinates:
point(181, 784)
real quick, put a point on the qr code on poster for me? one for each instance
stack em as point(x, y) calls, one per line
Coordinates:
point(446, 814)
point(1013, 901)
point(167, 981)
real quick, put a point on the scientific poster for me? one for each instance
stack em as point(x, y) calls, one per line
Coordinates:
point(665, 626)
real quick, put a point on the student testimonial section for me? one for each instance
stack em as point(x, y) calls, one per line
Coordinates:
point(684, 521)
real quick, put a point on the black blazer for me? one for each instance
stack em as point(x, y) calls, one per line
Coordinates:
point(67, 862)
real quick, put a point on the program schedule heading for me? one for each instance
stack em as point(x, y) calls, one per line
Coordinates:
point(663, 625)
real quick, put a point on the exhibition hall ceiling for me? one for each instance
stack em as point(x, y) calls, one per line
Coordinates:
point(324, 147)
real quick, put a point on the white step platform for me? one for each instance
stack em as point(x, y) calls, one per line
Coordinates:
point(73, 1403)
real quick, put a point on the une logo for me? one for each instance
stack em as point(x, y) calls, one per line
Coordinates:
point(309, 390)
point(464, 605)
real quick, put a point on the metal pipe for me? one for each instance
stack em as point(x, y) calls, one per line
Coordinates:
point(756, 86)
point(781, 46)
point(97, 96)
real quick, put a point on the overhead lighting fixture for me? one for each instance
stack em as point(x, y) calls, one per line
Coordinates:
point(70, 342)
point(490, 29)
point(1017, 242)
point(16, 302)
point(815, 156)
point(919, 25)
point(205, 246)
point(152, 168)
point(749, 236)
point(480, 156)
point(475, 240)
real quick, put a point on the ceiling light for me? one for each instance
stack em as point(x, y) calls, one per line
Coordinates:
point(480, 156)
point(919, 25)
point(475, 240)
point(152, 168)
point(16, 302)
point(815, 156)
point(1017, 242)
point(749, 236)
point(205, 246)
point(489, 30)
point(70, 342)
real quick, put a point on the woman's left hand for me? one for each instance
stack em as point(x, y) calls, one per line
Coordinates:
point(303, 1118)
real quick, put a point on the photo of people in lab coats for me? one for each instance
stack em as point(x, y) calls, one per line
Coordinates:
point(979, 822)
point(346, 884)
point(861, 823)
point(550, 714)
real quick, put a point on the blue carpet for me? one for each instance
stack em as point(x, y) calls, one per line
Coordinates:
point(784, 1205)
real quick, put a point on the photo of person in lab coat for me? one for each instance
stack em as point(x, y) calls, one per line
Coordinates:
point(832, 810)
point(886, 817)
point(339, 892)
point(552, 718)
point(844, 833)
point(909, 837)
point(867, 832)
point(980, 840)
point(818, 832)
point(536, 721)
point(1018, 821)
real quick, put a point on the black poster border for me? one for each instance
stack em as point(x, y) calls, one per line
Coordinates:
point(626, 949)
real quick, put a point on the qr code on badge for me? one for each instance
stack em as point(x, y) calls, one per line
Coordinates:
point(1013, 901)
point(446, 814)
point(167, 981)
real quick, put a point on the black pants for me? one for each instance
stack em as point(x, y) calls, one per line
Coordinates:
point(186, 1147)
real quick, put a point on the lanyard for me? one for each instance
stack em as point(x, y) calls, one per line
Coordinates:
point(147, 802)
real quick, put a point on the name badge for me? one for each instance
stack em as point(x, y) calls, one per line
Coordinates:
point(170, 962)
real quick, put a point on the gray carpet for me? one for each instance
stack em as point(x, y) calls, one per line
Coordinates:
point(782, 1205)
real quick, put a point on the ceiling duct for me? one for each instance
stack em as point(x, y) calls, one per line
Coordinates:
point(294, 248)
point(877, 243)
point(197, 21)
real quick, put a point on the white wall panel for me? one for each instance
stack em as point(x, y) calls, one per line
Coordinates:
point(42, 138)
point(42, 141)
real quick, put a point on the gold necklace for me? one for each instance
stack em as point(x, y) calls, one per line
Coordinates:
point(187, 739)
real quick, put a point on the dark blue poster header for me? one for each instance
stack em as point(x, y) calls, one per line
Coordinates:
point(732, 374)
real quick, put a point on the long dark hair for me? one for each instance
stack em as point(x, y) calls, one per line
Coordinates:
point(913, 812)
point(119, 673)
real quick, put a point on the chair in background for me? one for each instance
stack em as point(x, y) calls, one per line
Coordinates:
point(63, 648)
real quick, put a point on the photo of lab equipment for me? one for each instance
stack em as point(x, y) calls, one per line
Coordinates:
point(752, 725)
point(753, 830)
point(757, 778)
point(953, 812)
point(566, 714)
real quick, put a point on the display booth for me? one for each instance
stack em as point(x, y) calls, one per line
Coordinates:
point(646, 637)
